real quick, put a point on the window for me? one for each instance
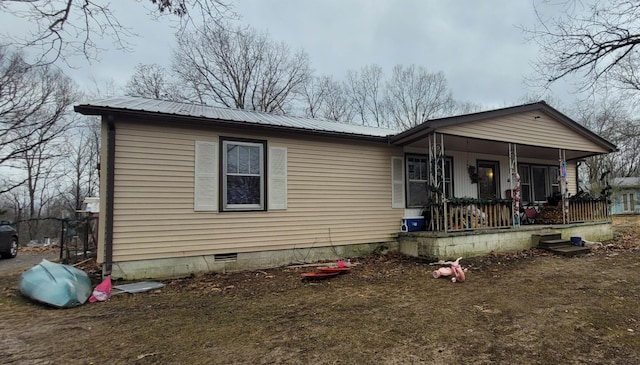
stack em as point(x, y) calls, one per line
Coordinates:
point(628, 203)
point(235, 175)
point(489, 174)
point(554, 179)
point(525, 183)
point(417, 178)
point(448, 177)
point(243, 178)
point(539, 179)
point(537, 182)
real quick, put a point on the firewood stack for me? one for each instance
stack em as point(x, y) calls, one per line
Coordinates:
point(550, 215)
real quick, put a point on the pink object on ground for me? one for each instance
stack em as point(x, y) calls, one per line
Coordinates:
point(454, 270)
point(102, 292)
point(334, 269)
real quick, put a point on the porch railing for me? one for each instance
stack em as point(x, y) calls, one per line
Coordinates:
point(465, 214)
point(473, 214)
point(596, 210)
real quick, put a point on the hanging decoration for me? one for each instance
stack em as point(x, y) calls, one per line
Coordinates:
point(471, 169)
point(562, 181)
point(473, 174)
point(436, 183)
point(514, 181)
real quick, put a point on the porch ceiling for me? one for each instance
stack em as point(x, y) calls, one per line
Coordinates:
point(476, 145)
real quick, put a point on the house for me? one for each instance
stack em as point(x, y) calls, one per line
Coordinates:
point(190, 188)
point(625, 195)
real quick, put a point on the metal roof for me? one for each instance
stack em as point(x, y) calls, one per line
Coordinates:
point(165, 107)
point(625, 182)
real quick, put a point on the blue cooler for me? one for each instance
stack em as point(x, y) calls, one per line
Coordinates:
point(576, 241)
point(412, 224)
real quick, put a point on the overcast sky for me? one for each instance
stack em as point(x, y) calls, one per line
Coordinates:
point(477, 44)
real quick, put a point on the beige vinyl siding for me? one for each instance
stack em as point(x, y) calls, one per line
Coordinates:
point(339, 192)
point(572, 183)
point(526, 129)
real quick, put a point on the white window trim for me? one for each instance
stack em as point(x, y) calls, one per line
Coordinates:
point(242, 207)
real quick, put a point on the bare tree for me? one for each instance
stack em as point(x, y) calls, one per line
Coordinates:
point(337, 105)
point(152, 81)
point(240, 69)
point(466, 107)
point(69, 27)
point(611, 118)
point(41, 153)
point(365, 89)
point(14, 204)
point(408, 98)
point(313, 95)
point(33, 102)
point(413, 95)
point(596, 40)
point(79, 167)
point(323, 97)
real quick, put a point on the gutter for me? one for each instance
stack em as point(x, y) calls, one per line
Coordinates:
point(111, 157)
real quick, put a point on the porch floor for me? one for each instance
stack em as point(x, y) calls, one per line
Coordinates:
point(523, 227)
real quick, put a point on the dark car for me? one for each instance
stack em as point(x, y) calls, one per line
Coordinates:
point(8, 241)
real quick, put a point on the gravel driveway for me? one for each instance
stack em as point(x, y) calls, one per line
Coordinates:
point(26, 259)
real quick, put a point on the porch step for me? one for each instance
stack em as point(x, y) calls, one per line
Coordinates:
point(569, 250)
point(555, 244)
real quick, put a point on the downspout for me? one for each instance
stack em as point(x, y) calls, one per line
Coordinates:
point(108, 235)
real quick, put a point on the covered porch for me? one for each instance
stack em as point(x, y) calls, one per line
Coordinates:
point(488, 181)
point(511, 186)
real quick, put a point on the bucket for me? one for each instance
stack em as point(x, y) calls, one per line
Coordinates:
point(576, 241)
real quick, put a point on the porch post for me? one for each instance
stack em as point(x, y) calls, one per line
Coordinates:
point(562, 181)
point(443, 195)
point(436, 187)
point(514, 183)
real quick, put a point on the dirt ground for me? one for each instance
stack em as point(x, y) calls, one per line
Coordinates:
point(523, 308)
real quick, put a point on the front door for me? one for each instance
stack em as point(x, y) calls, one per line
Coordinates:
point(489, 177)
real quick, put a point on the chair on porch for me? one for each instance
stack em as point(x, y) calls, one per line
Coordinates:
point(528, 215)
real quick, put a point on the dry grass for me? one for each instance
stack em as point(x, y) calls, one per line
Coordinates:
point(523, 308)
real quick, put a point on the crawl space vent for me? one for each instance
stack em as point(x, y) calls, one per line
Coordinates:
point(226, 257)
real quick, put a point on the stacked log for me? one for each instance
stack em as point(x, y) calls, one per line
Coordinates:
point(550, 215)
